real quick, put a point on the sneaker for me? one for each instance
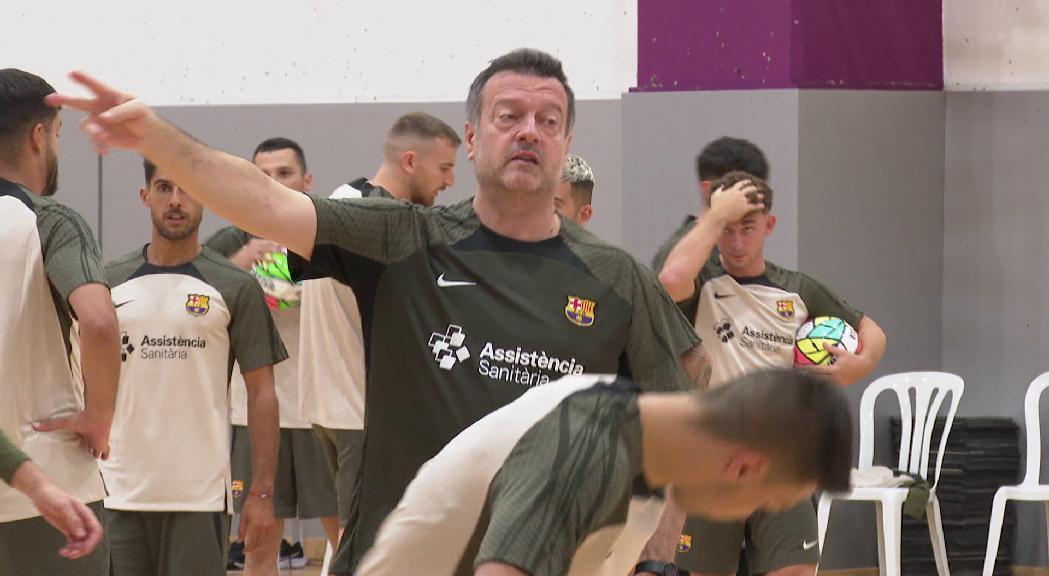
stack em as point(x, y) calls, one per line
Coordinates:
point(236, 556)
point(292, 556)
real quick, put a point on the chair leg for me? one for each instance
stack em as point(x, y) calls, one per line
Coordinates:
point(939, 544)
point(878, 506)
point(892, 526)
point(994, 533)
point(823, 518)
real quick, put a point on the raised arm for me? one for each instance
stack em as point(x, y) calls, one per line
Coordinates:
point(230, 186)
point(687, 258)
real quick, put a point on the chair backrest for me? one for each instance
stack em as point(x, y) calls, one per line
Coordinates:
point(1034, 428)
point(918, 421)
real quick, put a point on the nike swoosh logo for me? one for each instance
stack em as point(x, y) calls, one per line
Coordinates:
point(122, 303)
point(442, 283)
point(809, 545)
point(720, 296)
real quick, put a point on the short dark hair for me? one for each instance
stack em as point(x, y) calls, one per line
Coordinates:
point(521, 61)
point(424, 126)
point(729, 180)
point(727, 154)
point(799, 419)
point(280, 143)
point(21, 108)
point(150, 169)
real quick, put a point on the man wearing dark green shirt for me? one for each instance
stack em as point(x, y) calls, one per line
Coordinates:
point(470, 304)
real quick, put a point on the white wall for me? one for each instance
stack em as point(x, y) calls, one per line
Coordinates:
point(313, 51)
point(996, 44)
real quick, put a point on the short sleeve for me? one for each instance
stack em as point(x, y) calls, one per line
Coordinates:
point(568, 476)
point(659, 335)
point(11, 458)
point(71, 255)
point(227, 241)
point(379, 230)
point(254, 339)
point(821, 301)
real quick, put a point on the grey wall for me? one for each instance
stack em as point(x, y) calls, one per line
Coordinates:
point(343, 142)
point(870, 226)
point(996, 282)
point(664, 131)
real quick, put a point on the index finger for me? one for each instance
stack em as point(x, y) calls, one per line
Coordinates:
point(56, 100)
point(93, 84)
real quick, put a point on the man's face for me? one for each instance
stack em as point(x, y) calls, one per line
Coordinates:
point(566, 205)
point(742, 244)
point(520, 141)
point(51, 157)
point(175, 214)
point(433, 171)
point(284, 167)
point(736, 500)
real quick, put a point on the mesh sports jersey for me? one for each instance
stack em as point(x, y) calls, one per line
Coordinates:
point(48, 252)
point(466, 320)
point(552, 486)
point(286, 374)
point(182, 329)
point(749, 323)
point(332, 374)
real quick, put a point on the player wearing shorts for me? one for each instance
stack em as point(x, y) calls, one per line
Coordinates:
point(748, 311)
point(418, 163)
point(55, 295)
point(186, 314)
point(299, 490)
point(479, 301)
point(569, 479)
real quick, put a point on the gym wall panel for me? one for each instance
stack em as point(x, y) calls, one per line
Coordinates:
point(78, 170)
point(662, 134)
point(343, 142)
point(996, 281)
point(870, 226)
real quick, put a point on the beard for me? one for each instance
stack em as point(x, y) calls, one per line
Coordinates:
point(51, 185)
point(192, 225)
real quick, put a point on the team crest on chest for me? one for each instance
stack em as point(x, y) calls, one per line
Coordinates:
point(197, 304)
point(580, 311)
point(684, 544)
point(785, 309)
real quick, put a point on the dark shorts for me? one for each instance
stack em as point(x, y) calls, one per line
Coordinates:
point(772, 541)
point(302, 485)
point(30, 548)
point(342, 450)
point(168, 543)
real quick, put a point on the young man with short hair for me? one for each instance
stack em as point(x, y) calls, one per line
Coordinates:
point(570, 479)
point(187, 314)
point(59, 346)
point(575, 193)
point(748, 311)
point(300, 491)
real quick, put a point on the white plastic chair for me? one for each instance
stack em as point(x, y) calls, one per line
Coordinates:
point(930, 389)
point(327, 560)
point(1029, 490)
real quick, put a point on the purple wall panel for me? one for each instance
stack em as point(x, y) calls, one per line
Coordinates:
point(753, 44)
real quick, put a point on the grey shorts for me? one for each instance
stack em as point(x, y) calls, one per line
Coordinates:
point(342, 450)
point(168, 543)
point(771, 540)
point(302, 487)
point(30, 548)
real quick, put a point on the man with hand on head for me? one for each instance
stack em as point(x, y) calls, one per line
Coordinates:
point(187, 315)
point(478, 301)
point(59, 346)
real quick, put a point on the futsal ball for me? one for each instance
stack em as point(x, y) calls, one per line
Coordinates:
point(273, 275)
point(818, 332)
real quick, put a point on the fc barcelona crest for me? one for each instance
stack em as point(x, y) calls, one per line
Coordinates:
point(580, 311)
point(785, 309)
point(197, 304)
point(684, 544)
